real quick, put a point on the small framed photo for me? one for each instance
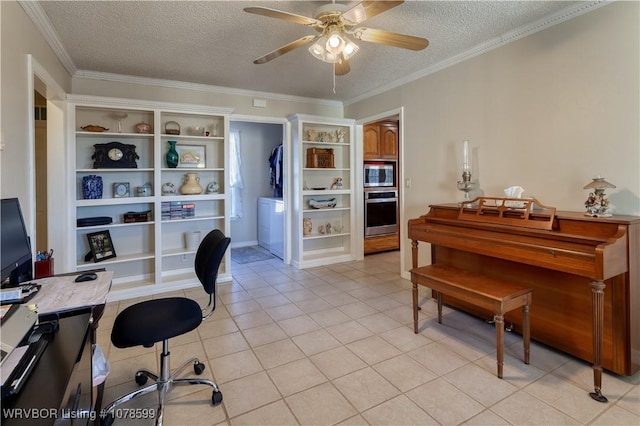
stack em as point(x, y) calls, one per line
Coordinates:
point(101, 246)
point(191, 156)
point(121, 190)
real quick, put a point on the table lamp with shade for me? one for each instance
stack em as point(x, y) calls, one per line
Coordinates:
point(597, 204)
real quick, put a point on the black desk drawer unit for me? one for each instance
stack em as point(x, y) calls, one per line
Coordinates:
point(59, 390)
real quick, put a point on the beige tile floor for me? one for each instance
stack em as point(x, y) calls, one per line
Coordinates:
point(335, 345)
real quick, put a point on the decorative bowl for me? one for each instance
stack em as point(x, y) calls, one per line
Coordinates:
point(94, 128)
point(143, 127)
point(322, 204)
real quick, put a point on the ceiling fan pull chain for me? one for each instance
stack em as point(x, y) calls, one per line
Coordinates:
point(334, 79)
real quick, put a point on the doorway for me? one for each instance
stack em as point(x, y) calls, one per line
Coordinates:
point(388, 151)
point(46, 135)
point(40, 140)
point(381, 162)
point(259, 233)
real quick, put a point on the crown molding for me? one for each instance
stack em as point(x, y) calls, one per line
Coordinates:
point(121, 78)
point(41, 21)
point(103, 101)
point(506, 38)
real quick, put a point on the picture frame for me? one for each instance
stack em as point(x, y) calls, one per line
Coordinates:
point(101, 245)
point(191, 156)
point(121, 190)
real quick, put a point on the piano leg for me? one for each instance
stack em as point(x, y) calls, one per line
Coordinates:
point(415, 307)
point(597, 314)
point(499, 320)
point(526, 333)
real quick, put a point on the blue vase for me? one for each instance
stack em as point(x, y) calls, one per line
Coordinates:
point(92, 187)
point(172, 155)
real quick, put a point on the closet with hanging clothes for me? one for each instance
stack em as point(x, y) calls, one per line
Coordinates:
point(276, 168)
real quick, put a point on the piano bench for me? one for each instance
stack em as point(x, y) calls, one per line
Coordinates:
point(498, 296)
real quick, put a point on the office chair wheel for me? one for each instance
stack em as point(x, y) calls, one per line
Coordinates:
point(141, 379)
point(198, 367)
point(216, 398)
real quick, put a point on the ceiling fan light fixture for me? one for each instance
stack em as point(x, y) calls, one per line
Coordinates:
point(335, 43)
point(350, 49)
point(319, 51)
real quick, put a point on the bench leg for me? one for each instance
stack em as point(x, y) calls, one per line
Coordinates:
point(439, 298)
point(415, 307)
point(526, 333)
point(499, 342)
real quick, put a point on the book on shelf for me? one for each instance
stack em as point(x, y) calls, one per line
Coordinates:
point(172, 210)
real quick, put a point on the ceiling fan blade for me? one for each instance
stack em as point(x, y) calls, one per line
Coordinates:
point(284, 49)
point(390, 39)
point(342, 67)
point(291, 17)
point(367, 9)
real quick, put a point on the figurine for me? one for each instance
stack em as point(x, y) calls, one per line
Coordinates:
point(321, 230)
point(337, 183)
point(307, 226)
point(311, 135)
point(341, 135)
point(597, 205)
point(327, 228)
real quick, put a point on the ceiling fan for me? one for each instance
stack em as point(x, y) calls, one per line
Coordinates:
point(336, 22)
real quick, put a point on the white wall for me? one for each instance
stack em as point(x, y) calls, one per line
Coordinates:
point(547, 112)
point(19, 38)
point(257, 140)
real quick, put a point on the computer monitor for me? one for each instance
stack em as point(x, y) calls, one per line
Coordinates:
point(15, 248)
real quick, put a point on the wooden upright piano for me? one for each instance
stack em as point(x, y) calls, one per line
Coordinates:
point(584, 271)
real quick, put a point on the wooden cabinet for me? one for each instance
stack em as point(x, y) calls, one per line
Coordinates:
point(323, 188)
point(380, 141)
point(152, 255)
point(380, 243)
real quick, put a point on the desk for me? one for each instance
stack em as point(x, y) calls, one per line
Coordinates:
point(60, 386)
point(63, 294)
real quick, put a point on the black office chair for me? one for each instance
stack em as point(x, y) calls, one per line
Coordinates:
point(158, 320)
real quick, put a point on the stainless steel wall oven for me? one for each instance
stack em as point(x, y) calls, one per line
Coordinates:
point(380, 212)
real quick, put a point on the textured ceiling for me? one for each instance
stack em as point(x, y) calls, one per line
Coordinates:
point(215, 42)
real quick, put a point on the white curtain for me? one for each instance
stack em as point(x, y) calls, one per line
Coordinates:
point(235, 175)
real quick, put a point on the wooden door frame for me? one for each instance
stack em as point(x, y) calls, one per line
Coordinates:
point(396, 112)
point(38, 79)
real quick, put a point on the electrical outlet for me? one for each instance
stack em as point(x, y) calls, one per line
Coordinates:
point(184, 257)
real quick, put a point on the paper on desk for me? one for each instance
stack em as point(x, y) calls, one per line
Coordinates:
point(63, 293)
